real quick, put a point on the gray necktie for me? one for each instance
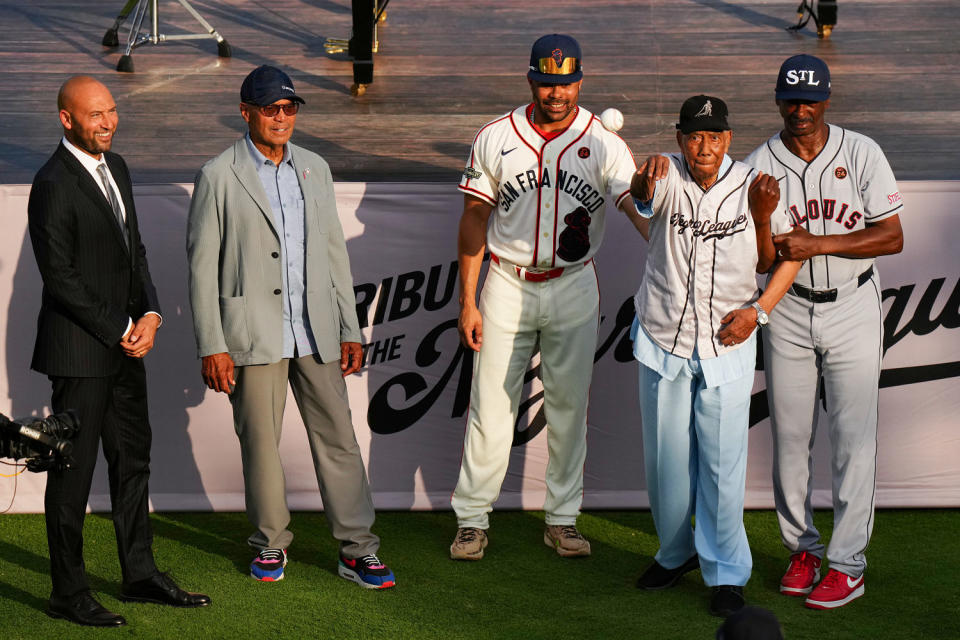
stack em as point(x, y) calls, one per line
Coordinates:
point(114, 201)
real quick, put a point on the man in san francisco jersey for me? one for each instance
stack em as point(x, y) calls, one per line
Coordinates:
point(535, 189)
point(827, 334)
point(695, 342)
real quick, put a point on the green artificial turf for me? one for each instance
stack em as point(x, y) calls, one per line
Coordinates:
point(521, 589)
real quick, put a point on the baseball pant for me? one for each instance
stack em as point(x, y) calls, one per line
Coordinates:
point(564, 312)
point(321, 395)
point(695, 454)
point(840, 342)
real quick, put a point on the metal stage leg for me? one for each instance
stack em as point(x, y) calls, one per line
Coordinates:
point(137, 37)
point(824, 16)
point(363, 43)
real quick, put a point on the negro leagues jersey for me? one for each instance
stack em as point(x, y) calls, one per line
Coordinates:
point(702, 259)
point(847, 185)
point(549, 196)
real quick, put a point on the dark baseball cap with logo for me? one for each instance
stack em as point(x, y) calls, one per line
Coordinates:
point(555, 59)
point(803, 77)
point(703, 113)
point(265, 85)
point(750, 623)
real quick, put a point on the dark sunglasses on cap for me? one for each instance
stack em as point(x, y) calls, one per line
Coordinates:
point(272, 110)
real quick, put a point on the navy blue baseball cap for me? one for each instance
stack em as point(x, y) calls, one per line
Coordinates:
point(555, 59)
point(803, 77)
point(265, 85)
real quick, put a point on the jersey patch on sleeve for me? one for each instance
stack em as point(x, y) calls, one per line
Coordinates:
point(471, 173)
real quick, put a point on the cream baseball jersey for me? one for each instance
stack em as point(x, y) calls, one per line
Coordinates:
point(847, 185)
point(549, 196)
point(702, 259)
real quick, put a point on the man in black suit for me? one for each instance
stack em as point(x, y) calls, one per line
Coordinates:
point(98, 319)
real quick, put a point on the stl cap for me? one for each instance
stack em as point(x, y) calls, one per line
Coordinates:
point(803, 77)
point(555, 59)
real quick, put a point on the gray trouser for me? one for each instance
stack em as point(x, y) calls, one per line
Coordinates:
point(841, 342)
point(258, 402)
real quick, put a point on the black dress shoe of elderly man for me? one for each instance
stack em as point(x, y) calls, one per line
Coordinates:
point(83, 608)
point(161, 589)
point(726, 600)
point(657, 577)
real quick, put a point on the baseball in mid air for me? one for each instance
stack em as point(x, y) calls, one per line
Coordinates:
point(612, 119)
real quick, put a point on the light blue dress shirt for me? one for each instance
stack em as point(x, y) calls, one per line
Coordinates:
point(286, 200)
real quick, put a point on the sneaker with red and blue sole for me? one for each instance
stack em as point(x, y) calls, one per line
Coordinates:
point(268, 565)
point(367, 571)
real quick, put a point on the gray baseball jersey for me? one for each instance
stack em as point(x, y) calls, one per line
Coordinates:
point(549, 195)
point(702, 258)
point(846, 186)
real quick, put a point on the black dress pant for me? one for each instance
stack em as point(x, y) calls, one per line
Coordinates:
point(112, 410)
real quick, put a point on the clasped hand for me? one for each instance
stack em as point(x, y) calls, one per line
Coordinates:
point(139, 340)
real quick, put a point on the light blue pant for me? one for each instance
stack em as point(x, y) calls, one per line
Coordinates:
point(695, 454)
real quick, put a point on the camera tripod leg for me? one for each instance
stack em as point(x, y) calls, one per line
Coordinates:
point(110, 38)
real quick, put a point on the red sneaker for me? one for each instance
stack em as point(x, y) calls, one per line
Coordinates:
point(801, 575)
point(836, 590)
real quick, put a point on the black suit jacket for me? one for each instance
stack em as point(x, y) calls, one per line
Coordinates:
point(92, 283)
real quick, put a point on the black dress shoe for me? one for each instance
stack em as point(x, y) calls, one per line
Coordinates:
point(657, 577)
point(84, 609)
point(727, 599)
point(161, 589)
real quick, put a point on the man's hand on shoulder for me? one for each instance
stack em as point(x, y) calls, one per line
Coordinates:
point(217, 372)
point(139, 340)
point(644, 181)
point(351, 357)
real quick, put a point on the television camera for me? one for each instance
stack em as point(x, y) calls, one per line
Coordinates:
point(45, 443)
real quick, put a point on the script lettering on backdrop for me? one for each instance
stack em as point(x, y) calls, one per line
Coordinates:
point(921, 323)
point(403, 295)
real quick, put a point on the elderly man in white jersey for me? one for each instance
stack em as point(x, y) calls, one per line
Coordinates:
point(535, 189)
point(695, 341)
point(843, 199)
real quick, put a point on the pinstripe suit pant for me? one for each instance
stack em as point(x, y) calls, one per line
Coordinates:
point(113, 411)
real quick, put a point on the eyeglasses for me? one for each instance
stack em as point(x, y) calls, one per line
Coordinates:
point(272, 110)
point(549, 65)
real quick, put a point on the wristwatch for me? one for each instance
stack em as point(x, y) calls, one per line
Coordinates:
point(762, 317)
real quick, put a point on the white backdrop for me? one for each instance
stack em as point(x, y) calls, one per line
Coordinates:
point(410, 399)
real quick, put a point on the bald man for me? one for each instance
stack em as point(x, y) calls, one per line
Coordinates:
point(98, 319)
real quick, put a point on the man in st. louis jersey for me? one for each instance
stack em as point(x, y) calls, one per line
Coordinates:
point(535, 190)
point(827, 334)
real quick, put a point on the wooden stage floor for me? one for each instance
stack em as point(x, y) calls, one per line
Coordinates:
point(446, 67)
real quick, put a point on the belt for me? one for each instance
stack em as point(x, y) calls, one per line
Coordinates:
point(827, 295)
point(533, 275)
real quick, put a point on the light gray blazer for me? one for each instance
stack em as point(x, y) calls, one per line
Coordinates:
point(233, 252)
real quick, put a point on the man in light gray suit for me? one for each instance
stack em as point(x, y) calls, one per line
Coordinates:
point(273, 303)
